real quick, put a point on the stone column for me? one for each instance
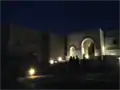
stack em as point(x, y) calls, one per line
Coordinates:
point(102, 43)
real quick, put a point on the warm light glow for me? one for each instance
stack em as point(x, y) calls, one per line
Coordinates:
point(51, 61)
point(103, 49)
point(87, 56)
point(31, 71)
point(59, 58)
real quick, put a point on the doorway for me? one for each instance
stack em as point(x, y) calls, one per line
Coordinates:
point(72, 51)
point(88, 48)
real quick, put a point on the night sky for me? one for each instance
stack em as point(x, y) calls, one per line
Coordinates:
point(62, 16)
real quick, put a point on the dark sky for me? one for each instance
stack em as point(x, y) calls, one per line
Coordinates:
point(62, 16)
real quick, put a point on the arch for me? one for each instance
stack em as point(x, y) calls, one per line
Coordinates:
point(88, 47)
point(72, 45)
point(72, 50)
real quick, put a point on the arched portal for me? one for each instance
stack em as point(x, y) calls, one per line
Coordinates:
point(88, 48)
point(72, 51)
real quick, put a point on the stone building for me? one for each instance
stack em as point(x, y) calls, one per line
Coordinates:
point(80, 41)
point(48, 45)
point(22, 42)
point(99, 42)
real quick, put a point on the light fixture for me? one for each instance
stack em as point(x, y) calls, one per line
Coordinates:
point(31, 71)
point(51, 61)
point(59, 58)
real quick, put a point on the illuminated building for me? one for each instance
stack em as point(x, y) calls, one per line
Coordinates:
point(46, 45)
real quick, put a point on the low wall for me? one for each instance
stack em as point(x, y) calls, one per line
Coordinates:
point(109, 63)
point(111, 60)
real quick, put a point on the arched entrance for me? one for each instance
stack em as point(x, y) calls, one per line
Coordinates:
point(88, 48)
point(72, 51)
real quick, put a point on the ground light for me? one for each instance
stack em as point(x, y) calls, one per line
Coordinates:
point(51, 62)
point(31, 71)
point(59, 59)
point(87, 56)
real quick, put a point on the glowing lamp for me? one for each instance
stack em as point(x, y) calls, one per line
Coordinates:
point(51, 61)
point(31, 71)
point(59, 58)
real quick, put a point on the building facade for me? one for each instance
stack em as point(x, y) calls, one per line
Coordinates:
point(48, 45)
point(23, 42)
point(93, 43)
point(81, 40)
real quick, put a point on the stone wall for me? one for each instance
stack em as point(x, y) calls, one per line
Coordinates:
point(77, 38)
point(57, 46)
point(44, 45)
point(23, 40)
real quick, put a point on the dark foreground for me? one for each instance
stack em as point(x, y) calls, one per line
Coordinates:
point(73, 76)
point(85, 75)
point(89, 81)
